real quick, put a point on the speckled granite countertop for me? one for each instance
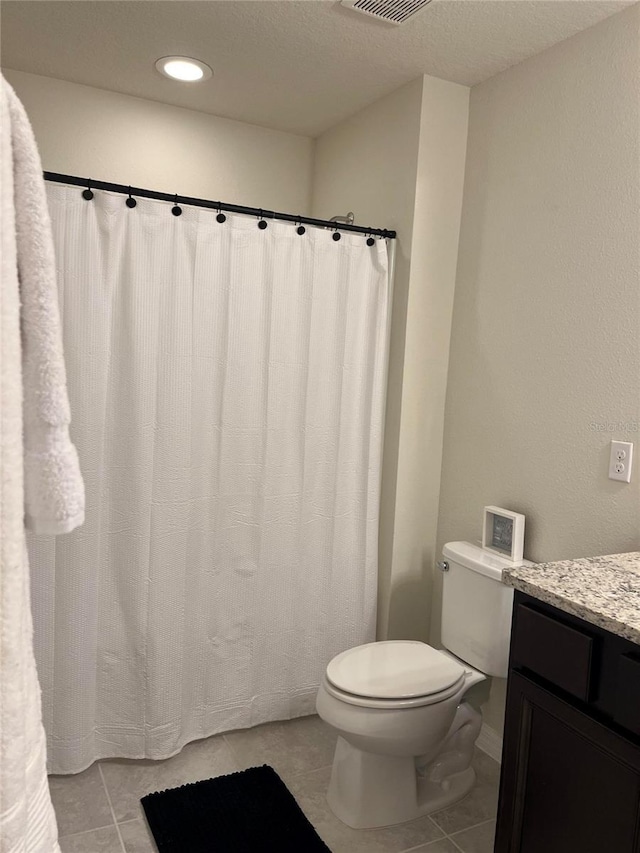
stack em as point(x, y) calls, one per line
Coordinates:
point(602, 590)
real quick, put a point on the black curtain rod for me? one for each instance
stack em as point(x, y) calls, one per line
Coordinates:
point(214, 205)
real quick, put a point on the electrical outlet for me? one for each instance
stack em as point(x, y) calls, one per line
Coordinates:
point(620, 461)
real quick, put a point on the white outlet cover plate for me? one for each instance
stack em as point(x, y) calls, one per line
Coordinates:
point(620, 461)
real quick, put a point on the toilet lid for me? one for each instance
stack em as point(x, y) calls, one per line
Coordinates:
point(394, 669)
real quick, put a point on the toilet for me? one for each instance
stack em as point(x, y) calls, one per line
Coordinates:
point(406, 714)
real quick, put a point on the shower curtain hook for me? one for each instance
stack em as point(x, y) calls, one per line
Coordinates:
point(220, 217)
point(130, 202)
point(261, 224)
point(87, 193)
point(336, 235)
point(176, 209)
point(370, 240)
point(300, 229)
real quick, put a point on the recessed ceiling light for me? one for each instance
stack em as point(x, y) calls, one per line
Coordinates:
point(183, 68)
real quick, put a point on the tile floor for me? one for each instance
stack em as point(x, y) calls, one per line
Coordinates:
point(99, 810)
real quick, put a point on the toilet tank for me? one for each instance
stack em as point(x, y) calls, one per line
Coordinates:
point(476, 607)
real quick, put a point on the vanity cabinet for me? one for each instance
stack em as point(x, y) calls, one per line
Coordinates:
point(570, 779)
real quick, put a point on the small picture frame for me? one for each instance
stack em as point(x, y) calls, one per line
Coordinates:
point(503, 533)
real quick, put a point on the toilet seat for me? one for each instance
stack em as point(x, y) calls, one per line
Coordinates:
point(393, 674)
point(391, 704)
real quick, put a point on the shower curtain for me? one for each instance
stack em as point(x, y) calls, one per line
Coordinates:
point(227, 385)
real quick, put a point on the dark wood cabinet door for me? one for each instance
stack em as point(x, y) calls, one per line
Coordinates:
point(569, 784)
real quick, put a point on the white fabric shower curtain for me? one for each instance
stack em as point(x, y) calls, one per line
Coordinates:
point(227, 385)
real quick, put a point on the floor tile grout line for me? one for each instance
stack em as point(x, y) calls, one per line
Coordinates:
point(111, 809)
point(234, 755)
point(425, 844)
point(473, 826)
point(86, 831)
point(314, 770)
point(447, 836)
point(83, 831)
point(70, 777)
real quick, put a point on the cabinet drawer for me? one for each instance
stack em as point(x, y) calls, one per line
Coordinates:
point(554, 650)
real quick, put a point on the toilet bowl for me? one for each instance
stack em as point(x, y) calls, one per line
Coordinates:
point(405, 736)
point(405, 713)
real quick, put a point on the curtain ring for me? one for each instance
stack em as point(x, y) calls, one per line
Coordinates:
point(220, 217)
point(300, 229)
point(176, 209)
point(261, 224)
point(87, 194)
point(336, 235)
point(370, 240)
point(130, 202)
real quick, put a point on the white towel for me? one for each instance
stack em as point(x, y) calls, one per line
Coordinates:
point(54, 492)
point(55, 496)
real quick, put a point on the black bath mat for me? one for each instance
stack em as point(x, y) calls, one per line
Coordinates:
point(247, 812)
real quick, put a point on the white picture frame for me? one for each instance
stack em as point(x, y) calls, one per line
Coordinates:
point(503, 533)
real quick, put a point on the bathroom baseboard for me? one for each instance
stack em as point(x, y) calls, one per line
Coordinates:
point(490, 741)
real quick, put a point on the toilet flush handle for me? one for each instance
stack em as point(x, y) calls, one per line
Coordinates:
point(443, 565)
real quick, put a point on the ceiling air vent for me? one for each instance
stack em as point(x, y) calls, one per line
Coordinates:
point(392, 11)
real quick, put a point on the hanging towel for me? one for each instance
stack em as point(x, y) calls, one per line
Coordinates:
point(34, 421)
point(54, 492)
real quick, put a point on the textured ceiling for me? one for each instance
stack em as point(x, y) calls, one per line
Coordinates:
point(295, 65)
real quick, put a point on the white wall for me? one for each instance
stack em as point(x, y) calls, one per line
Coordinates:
point(436, 228)
point(545, 345)
point(369, 164)
point(399, 164)
point(111, 137)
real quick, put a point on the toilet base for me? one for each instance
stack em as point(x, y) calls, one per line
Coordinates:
point(368, 791)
